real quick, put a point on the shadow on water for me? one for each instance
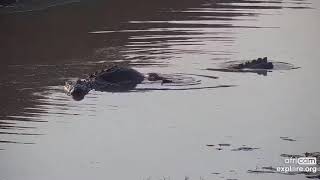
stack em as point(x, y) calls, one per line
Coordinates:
point(43, 44)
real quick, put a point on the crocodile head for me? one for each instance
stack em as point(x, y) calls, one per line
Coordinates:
point(78, 89)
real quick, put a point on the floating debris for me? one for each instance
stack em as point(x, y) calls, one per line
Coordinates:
point(223, 144)
point(291, 155)
point(269, 168)
point(314, 176)
point(260, 171)
point(244, 149)
point(287, 139)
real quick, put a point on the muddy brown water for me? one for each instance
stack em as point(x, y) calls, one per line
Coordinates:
point(157, 134)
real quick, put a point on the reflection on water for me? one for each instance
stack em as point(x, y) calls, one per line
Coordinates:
point(44, 44)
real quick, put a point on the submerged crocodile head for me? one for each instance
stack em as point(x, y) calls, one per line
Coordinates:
point(78, 89)
point(114, 79)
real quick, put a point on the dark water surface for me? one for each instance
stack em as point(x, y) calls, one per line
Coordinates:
point(150, 134)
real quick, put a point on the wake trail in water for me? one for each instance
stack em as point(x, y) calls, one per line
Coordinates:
point(181, 89)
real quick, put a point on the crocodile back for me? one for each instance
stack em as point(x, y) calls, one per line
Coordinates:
point(120, 74)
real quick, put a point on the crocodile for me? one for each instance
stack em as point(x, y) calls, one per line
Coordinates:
point(260, 63)
point(113, 79)
point(260, 66)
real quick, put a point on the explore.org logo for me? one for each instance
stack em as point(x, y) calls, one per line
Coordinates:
point(304, 164)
